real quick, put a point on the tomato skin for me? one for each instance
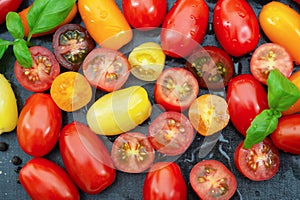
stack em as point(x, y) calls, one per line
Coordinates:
point(236, 26)
point(80, 147)
point(144, 15)
point(287, 134)
point(8, 6)
point(45, 180)
point(294, 78)
point(39, 125)
point(164, 181)
point(184, 27)
point(246, 98)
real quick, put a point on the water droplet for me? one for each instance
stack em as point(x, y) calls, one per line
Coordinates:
point(242, 14)
point(210, 29)
point(192, 33)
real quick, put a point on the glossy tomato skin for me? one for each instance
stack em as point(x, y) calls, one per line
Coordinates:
point(8, 6)
point(144, 15)
point(86, 158)
point(236, 26)
point(184, 27)
point(164, 181)
point(39, 125)
point(246, 98)
point(287, 134)
point(44, 180)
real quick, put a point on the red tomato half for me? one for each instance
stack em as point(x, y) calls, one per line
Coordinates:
point(45, 180)
point(8, 6)
point(212, 180)
point(259, 163)
point(86, 158)
point(164, 181)
point(39, 125)
point(176, 89)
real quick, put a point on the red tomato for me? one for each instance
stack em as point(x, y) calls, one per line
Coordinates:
point(246, 98)
point(261, 162)
point(8, 6)
point(132, 152)
point(236, 26)
point(106, 69)
point(44, 70)
point(287, 134)
point(184, 27)
point(45, 180)
point(212, 180)
point(81, 148)
point(175, 89)
point(270, 56)
point(39, 125)
point(171, 133)
point(144, 15)
point(164, 181)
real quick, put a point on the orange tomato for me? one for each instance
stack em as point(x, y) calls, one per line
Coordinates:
point(294, 78)
point(23, 16)
point(105, 22)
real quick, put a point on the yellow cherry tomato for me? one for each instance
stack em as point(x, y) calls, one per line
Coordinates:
point(119, 111)
point(281, 24)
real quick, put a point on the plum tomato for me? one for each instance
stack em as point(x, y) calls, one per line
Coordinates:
point(7, 6)
point(71, 91)
point(267, 57)
point(106, 69)
point(212, 180)
point(71, 44)
point(209, 114)
point(294, 78)
point(175, 89)
point(287, 134)
point(212, 67)
point(259, 163)
point(164, 181)
point(132, 152)
point(44, 70)
point(171, 133)
point(147, 61)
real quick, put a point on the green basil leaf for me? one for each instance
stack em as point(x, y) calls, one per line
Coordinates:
point(262, 125)
point(14, 25)
point(282, 93)
point(22, 53)
point(3, 46)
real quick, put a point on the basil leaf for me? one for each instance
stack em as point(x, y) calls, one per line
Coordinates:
point(3, 46)
point(22, 53)
point(282, 93)
point(262, 125)
point(14, 25)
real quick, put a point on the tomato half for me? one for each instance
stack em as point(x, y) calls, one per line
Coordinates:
point(212, 67)
point(175, 89)
point(132, 152)
point(294, 78)
point(171, 133)
point(44, 70)
point(71, 44)
point(106, 69)
point(164, 181)
point(8, 6)
point(44, 180)
point(236, 26)
point(270, 56)
point(212, 180)
point(39, 125)
point(259, 163)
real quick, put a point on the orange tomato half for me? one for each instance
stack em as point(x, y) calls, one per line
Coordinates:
point(294, 78)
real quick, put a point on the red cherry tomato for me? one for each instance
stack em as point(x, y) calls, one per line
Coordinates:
point(287, 134)
point(212, 180)
point(261, 162)
point(44, 180)
point(39, 125)
point(81, 148)
point(175, 89)
point(144, 15)
point(246, 98)
point(164, 181)
point(184, 27)
point(44, 70)
point(236, 26)
point(8, 6)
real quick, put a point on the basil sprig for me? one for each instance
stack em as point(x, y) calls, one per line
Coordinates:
point(281, 95)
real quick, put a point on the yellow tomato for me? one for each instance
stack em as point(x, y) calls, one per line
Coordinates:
point(8, 107)
point(281, 24)
point(119, 111)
